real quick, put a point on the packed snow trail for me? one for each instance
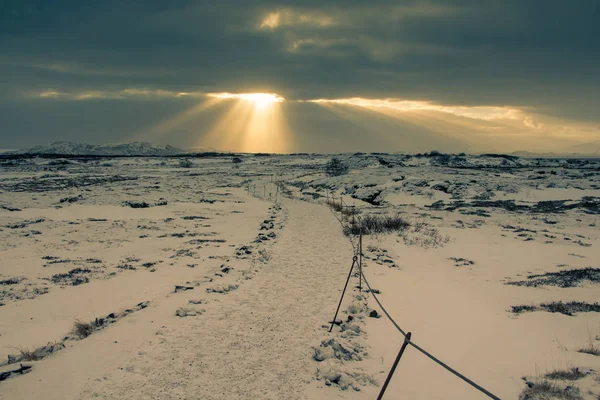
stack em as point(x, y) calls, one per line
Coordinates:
point(257, 343)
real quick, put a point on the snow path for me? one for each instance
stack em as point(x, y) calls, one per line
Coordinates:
point(256, 342)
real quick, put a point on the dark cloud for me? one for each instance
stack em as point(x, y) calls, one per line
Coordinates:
point(538, 55)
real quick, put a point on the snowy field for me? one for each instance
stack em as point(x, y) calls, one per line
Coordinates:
point(157, 278)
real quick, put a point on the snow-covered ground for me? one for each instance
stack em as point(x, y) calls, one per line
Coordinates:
point(216, 280)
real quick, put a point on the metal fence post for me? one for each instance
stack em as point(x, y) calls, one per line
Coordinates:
point(389, 377)
point(343, 292)
point(360, 250)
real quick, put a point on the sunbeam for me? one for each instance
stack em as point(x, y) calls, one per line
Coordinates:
point(255, 123)
point(169, 125)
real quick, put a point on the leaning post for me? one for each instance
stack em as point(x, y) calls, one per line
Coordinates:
point(389, 377)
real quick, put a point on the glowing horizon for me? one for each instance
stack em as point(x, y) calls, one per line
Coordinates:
point(255, 122)
point(260, 100)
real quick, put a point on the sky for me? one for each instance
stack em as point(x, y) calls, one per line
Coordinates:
point(302, 76)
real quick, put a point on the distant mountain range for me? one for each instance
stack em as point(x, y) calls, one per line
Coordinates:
point(591, 149)
point(80, 149)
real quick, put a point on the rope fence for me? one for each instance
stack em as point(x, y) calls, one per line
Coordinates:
point(357, 259)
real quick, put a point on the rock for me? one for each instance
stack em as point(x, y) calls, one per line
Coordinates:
point(323, 353)
point(347, 352)
point(373, 314)
point(222, 288)
point(352, 327)
point(188, 312)
point(181, 288)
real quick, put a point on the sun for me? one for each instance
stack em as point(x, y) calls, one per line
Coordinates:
point(260, 100)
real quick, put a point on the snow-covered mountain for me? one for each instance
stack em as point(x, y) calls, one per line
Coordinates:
point(125, 149)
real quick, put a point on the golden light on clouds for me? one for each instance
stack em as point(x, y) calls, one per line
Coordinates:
point(255, 123)
point(260, 100)
point(271, 21)
point(124, 94)
point(502, 127)
point(476, 112)
point(289, 17)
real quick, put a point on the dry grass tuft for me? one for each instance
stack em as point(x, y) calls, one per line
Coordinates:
point(83, 329)
point(545, 390)
point(27, 355)
point(590, 349)
point(39, 353)
point(425, 236)
point(566, 375)
point(335, 206)
point(375, 224)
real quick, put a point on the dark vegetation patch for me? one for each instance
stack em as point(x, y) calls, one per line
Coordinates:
point(335, 206)
point(149, 264)
point(461, 262)
point(83, 329)
point(52, 260)
point(183, 253)
point(193, 217)
point(9, 208)
point(184, 234)
point(71, 199)
point(346, 211)
point(546, 390)
point(564, 279)
point(23, 369)
point(375, 224)
point(136, 204)
point(12, 281)
point(144, 204)
point(570, 308)
point(588, 204)
point(202, 241)
point(25, 224)
point(37, 354)
point(126, 266)
point(74, 277)
point(59, 183)
point(21, 292)
point(505, 156)
point(566, 375)
point(336, 167)
point(590, 349)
